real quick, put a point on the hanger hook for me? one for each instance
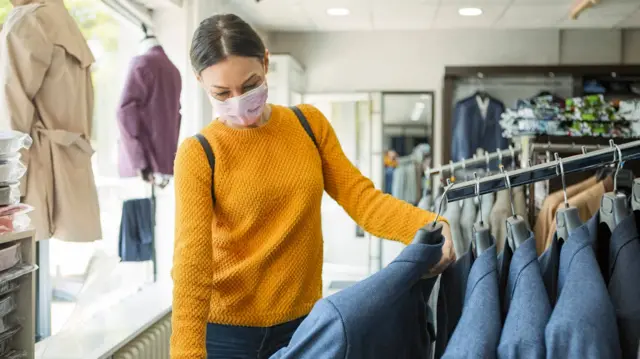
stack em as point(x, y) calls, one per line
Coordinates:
point(584, 150)
point(486, 158)
point(618, 165)
point(475, 176)
point(564, 183)
point(513, 156)
point(499, 157)
point(442, 199)
point(507, 183)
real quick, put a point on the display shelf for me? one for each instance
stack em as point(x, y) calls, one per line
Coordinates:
point(26, 294)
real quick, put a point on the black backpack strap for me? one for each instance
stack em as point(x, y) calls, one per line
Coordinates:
point(303, 121)
point(212, 160)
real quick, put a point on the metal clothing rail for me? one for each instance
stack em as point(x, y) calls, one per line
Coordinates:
point(563, 148)
point(475, 161)
point(544, 171)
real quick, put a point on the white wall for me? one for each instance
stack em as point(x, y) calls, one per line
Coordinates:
point(342, 62)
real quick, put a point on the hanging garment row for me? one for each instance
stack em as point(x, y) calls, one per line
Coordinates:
point(578, 299)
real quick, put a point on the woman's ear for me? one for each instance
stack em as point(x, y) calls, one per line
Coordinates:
point(266, 61)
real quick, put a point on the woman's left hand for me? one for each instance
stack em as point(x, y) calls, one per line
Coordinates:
point(448, 253)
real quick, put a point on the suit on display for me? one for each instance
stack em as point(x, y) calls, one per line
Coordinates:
point(47, 92)
point(149, 113)
point(476, 125)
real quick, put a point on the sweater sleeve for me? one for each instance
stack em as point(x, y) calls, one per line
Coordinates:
point(378, 213)
point(193, 252)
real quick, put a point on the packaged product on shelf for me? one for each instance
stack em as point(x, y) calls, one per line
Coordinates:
point(16, 271)
point(13, 141)
point(9, 193)
point(9, 287)
point(7, 305)
point(14, 223)
point(11, 169)
point(10, 256)
point(14, 354)
point(5, 341)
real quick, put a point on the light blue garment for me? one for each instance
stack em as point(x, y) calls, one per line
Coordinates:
point(485, 207)
point(467, 219)
point(453, 214)
point(478, 331)
point(583, 322)
point(381, 317)
point(529, 309)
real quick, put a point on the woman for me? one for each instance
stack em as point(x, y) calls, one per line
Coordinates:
point(247, 266)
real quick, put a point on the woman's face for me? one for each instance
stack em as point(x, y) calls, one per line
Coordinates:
point(234, 76)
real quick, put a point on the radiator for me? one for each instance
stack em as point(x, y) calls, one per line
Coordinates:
point(151, 344)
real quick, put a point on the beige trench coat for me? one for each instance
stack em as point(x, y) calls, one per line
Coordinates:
point(47, 92)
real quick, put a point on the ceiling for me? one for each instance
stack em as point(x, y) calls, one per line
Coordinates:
point(311, 15)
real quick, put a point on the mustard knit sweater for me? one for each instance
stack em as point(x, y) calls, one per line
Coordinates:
point(255, 258)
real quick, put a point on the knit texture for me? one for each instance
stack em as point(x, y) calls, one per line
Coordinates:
point(255, 258)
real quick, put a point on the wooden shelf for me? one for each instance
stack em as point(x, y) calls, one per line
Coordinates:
point(26, 294)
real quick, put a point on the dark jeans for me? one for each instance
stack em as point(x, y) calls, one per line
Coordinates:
point(233, 342)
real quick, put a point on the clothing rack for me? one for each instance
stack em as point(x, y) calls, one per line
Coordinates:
point(475, 161)
point(544, 171)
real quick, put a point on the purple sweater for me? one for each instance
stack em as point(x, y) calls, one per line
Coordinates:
point(149, 115)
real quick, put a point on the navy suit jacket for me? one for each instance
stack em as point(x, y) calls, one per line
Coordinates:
point(383, 316)
point(549, 266)
point(472, 131)
point(622, 275)
point(583, 322)
point(523, 331)
point(478, 331)
point(451, 299)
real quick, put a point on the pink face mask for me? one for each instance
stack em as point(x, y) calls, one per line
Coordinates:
point(244, 110)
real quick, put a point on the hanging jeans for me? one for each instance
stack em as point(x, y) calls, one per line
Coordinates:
point(235, 342)
point(388, 179)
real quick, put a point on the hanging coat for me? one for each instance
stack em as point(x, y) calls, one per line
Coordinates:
point(47, 92)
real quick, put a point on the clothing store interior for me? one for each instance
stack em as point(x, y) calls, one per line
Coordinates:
point(514, 122)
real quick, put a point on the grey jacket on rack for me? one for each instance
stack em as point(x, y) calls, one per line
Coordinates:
point(467, 219)
point(502, 210)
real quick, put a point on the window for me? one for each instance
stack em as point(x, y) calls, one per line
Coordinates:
point(88, 277)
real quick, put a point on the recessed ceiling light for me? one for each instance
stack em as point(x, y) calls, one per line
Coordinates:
point(338, 11)
point(470, 11)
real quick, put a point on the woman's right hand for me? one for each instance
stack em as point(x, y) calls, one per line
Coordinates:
point(448, 253)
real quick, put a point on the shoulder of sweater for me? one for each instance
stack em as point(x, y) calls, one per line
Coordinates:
point(317, 120)
point(190, 157)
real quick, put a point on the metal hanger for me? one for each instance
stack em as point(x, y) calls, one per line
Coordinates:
point(517, 230)
point(513, 156)
point(481, 236)
point(567, 218)
point(147, 35)
point(614, 206)
point(432, 232)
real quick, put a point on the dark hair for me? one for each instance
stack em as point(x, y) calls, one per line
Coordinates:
point(220, 36)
